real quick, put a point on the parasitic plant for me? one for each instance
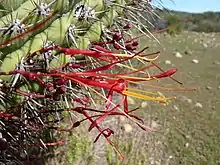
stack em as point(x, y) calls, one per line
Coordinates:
point(58, 57)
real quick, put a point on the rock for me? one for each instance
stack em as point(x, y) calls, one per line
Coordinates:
point(189, 101)
point(154, 124)
point(205, 45)
point(127, 128)
point(187, 145)
point(144, 104)
point(188, 137)
point(208, 87)
point(122, 118)
point(168, 62)
point(131, 101)
point(187, 52)
point(195, 61)
point(152, 161)
point(175, 107)
point(178, 55)
point(183, 98)
point(216, 62)
point(198, 105)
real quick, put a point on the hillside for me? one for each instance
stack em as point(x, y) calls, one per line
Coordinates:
point(199, 22)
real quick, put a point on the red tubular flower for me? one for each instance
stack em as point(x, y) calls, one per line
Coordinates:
point(117, 36)
point(6, 115)
point(127, 26)
point(106, 84)
point(60, 87)
point(106, 132)
point(99, 119)
point(135, 43)
point(100, 48)
point(166, 74)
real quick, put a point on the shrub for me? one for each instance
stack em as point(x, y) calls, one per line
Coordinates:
point(174, 24)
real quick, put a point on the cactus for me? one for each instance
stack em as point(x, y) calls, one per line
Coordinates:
point(58, 56)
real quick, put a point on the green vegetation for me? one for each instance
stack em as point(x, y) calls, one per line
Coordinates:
point(174, 20)
point(77, 148)
point(132, 154)
point(199, 22)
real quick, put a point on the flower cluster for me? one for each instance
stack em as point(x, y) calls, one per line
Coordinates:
point(52, 83)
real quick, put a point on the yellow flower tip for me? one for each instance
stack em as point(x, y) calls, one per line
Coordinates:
point(154, 78)
point(168, 99)
point(164, 102)
point(136, 57)
point(161, 98)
